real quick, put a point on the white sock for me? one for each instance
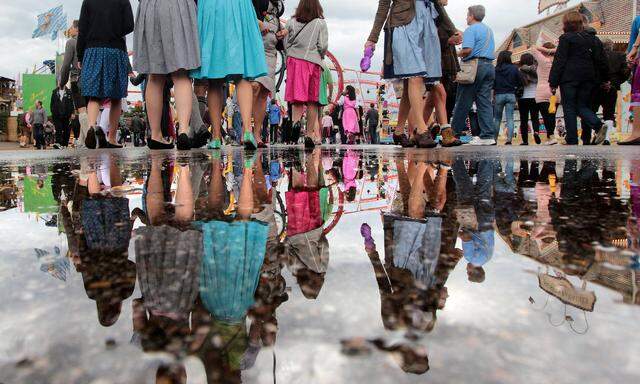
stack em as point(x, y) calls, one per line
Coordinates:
point(609, 124)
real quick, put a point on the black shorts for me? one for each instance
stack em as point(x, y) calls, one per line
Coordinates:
point(79, 101)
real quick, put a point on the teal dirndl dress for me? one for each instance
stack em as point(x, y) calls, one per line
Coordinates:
point(231, 45)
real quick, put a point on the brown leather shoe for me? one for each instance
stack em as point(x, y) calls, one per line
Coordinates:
point(424, 140)
point(449, 138)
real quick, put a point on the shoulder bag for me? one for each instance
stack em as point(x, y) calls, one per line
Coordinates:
point(469, 69)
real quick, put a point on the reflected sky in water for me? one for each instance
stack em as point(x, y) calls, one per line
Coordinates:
point(332, 266)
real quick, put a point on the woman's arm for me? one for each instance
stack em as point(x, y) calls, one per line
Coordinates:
point(323, 39)
point(128, 22)
point(83, 28)
point(378, 22)
point(559, 63)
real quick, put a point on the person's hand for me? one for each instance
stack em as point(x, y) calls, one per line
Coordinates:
point(79, 65)
point(456, 39)
point(281, 34)
point(369, 44)
point(631, 57)
point(264, 28)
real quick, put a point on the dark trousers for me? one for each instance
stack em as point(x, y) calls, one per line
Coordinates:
point(274, 133)
point(63, 132)
point(548, 118)
point(481, 194)
point(373, 134)
point(528, 112)
point(38, 134)
point(576, 101)
point(607, 100)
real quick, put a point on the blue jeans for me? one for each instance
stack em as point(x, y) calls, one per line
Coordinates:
point(480, 93)
point(576, 101)
point(505, 101)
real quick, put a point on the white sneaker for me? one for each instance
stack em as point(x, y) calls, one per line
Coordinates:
point(477, 141)
point(551, 141)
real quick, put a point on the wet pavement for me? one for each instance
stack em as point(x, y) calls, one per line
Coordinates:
point(341, 265)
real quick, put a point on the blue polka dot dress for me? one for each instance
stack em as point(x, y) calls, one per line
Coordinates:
point(105, 73)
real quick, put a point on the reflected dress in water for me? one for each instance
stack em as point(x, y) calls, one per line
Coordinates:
point(233, 255)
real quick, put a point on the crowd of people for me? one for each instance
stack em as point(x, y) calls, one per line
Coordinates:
point(189, 57)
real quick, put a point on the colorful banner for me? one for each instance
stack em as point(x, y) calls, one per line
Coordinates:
point(38, 195)
point(38, 87)
point(50, 23)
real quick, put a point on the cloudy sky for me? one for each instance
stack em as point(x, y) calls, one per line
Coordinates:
point(349, 24)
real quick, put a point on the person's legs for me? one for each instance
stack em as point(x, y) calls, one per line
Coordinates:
point(403, 111)
point(584, 110)
point(154, 102)
point(93, 110)
point(483, 90)
point(464, 101)
point(523, 109)
point(183, 93)
point(416, 91)
point(214, 101)
point(548, 118)
point(498, 112)
point(184, 196)
point(510, 106)
point(440, 102)
point(114, 119)
point(260, 95)
point(66, 135)
point(313, 129)
point(416, 199)
point(570, 107)
point(245, 201)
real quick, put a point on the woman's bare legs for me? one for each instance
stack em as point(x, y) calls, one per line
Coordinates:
point(154, 94)
point(260, 192)
point(403, 111)
point(184, 196)
point(93, 110)
point(214, 102)
point(313, 129)
point(313, 170)
point(183, 90)
point(260, 95)
point(416, 199)
point(216, 187)
point(155, 192)
point(245, 202)
point(297, 112)
point(245, 101)
point(114, 119)
point(416, 91)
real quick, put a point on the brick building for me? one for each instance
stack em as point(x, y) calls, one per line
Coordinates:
point(611, 18)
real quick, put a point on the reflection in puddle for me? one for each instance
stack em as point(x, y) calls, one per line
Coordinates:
point(324, 266)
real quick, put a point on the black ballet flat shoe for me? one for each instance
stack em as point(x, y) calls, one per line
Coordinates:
point(630, 142)
point(183, 143)
point(308, 143)
point(200, 139)
point(90, 141)
point(102, 139)
point(157, 145)
point(108, 145)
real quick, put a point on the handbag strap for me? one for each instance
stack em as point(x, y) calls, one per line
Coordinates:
point(300, 31)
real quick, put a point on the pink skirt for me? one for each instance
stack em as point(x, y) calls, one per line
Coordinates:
point(303, 81)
